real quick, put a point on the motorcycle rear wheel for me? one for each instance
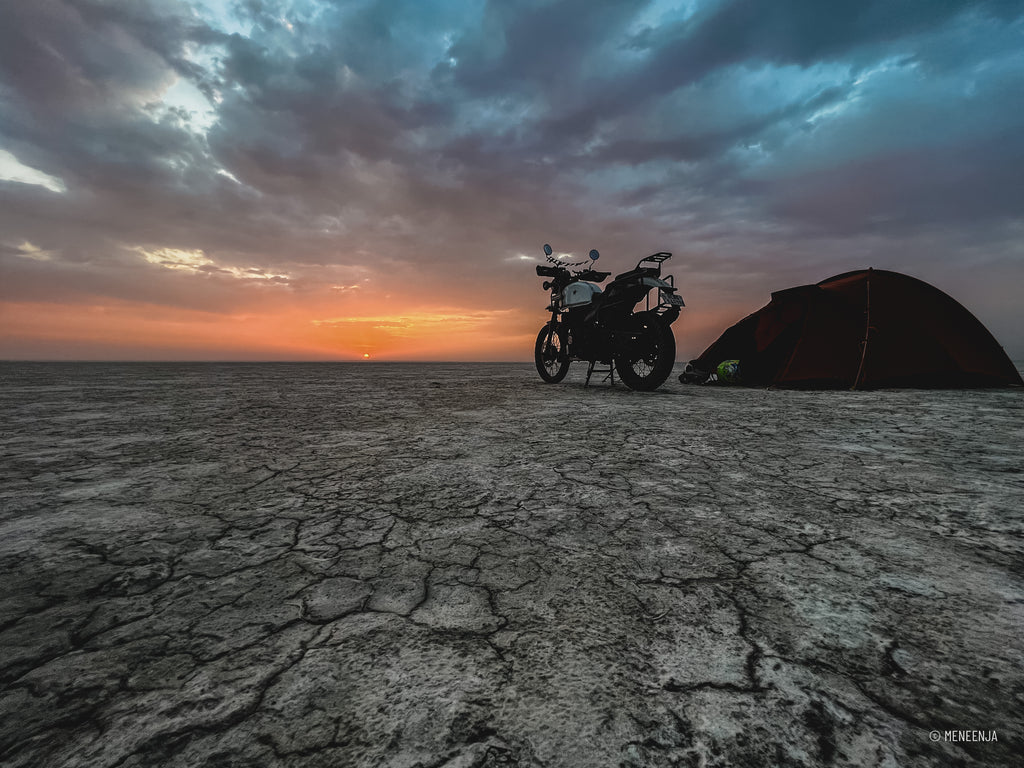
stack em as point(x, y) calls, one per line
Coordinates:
point(651, 356)
point(551, 357)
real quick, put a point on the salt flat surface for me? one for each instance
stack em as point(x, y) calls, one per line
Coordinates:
point(458, 565)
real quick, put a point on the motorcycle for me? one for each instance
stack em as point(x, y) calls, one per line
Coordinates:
point(608, 326)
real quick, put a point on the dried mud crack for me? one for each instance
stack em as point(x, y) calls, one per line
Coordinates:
point(457, 566)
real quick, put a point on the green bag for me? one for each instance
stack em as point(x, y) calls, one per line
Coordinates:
point(728, 372)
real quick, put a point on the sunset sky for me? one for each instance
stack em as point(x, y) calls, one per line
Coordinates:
point(311, 180)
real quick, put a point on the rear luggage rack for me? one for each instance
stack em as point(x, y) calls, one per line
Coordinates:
point(642, 271)
point(658, 257)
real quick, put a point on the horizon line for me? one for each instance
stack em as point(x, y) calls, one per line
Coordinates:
point(265, 362)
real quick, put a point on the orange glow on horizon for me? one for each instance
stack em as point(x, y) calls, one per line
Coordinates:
point(273, 325)
point(137, 331)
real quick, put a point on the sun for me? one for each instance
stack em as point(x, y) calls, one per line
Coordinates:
point(366, 355)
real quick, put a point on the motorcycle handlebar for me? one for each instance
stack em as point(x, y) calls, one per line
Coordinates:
point(549, 271)
point(586, 274)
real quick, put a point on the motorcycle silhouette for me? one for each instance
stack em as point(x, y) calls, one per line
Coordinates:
point(607, 326)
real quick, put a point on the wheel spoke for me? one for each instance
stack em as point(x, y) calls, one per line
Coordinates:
point(651, 358)
point(552, 350)
point(552, 362)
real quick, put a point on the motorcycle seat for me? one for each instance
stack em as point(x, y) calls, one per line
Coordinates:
point(639, 272)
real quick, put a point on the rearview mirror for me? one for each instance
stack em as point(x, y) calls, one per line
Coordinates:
point(547, 249)
point(594, 255)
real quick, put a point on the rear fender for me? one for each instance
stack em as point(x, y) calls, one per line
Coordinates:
point(655, 316)
point(655, 282)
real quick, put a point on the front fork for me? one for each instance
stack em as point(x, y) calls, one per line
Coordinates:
point(552, 325)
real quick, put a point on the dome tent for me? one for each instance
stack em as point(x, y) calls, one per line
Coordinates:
point(862, 330)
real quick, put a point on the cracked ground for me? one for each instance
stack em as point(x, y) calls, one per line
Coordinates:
point(458, 565)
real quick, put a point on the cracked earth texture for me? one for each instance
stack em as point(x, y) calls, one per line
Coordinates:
point(458, 565)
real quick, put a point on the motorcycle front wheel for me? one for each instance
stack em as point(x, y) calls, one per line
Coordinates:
point(551, 354)
point(650, 357)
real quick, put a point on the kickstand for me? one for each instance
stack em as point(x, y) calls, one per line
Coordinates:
point(610, 370)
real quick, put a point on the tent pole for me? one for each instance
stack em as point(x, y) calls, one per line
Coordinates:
point(867, 329)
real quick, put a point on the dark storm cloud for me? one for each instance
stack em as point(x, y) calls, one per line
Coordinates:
point(909, 189)
point(401, 135)
point(798, 31)
point(76, 82)
point(565, 51)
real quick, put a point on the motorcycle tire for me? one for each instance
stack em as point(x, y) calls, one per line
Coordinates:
point(646, 368)
point(552, 358)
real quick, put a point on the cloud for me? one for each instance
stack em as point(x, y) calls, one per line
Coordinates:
point(13, 169)
point(295, 154)
point(197, 262)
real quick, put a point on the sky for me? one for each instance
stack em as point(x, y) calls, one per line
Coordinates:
point(312, 180)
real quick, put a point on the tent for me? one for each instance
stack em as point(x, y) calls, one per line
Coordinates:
point(864, 329)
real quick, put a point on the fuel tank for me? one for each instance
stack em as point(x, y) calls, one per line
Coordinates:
point(580, 294)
